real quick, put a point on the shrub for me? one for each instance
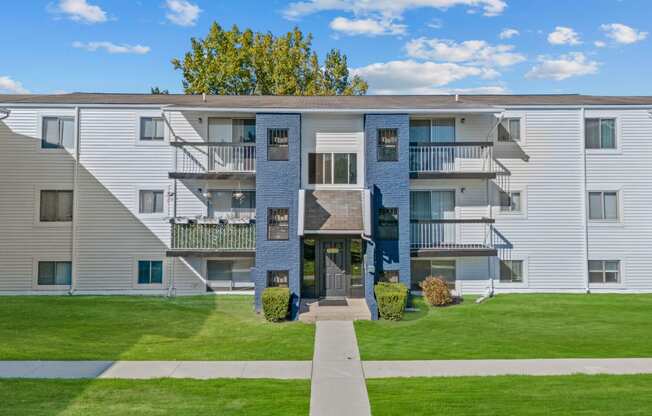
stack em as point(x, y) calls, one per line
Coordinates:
point(392, 299)
point(276, 302)
point(436, 291)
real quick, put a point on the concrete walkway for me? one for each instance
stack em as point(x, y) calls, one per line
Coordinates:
point(338, 382)
point(536, 367)
point(156, 369)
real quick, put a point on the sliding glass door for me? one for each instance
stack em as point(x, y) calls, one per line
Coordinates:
point(428, 212)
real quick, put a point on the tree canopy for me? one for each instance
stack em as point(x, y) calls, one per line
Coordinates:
point(238, 62)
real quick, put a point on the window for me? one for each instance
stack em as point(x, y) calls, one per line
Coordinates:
point(54, 273)
point(244, 130)
point(309, 288)
point(388, 224)
point(278, 278)
point(603, 206)
point(278, 224)
point(511, 271)
point(151, 202)
point(419, 131)
point(600, 133)
point(151, 128)
point(604, 271)
point(56, 206)
point(509, 130)
point(150, 272)
point(510, 202)
point(422, 269)
point(332, 168)
point(277, 144)
point(387, 145)
point(58, 132)
point(389, 276)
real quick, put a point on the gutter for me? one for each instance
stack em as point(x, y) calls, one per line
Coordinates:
point(585, 196)
point(75, 205)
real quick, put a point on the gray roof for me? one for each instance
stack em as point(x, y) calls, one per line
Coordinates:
point(366, 102)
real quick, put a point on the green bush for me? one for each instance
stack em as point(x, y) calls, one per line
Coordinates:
point(276, 302)
point(436, 292)
point(392, 299)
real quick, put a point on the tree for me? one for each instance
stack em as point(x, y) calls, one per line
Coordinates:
point(238, 62)
point(158, 91)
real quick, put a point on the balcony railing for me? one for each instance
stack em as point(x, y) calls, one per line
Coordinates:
point(214, 236)
point(209, 157)
point(453, 234)
point(459, 157)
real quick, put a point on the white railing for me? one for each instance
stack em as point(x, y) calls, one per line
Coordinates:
point(451, 157)
point(207, 157)
point(451, 234)
point(214, 236)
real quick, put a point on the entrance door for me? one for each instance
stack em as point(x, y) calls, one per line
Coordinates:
point(334, 255)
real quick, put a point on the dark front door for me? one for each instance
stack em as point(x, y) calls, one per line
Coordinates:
point(334, 255)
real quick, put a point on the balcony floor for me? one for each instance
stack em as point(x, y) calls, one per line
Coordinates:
point(457, 251)
point(212, 175)
point(452, 175)
point(210, 253)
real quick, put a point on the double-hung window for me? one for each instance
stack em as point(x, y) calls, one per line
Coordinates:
point(278, 278)
point(277, 144)
point(58, 132)
point(278, 224)
point(388, 223)
point(151, 202)
point(510, 202)
point(151, 129)
point(150, 272)
point(509, 130)
point(603, 206)
point(604, 271)
point(600, 133)
point(55, 206)
point(511, 271)
point(54, 273)
point(387, 145)
point(332, 168)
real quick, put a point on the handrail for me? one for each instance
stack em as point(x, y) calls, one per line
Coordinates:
point(208, 144)
point(455, 221)
point(452, 144)
point(214, 236)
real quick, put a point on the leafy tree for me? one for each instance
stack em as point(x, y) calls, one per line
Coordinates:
point(238, 62)
point(158, 91)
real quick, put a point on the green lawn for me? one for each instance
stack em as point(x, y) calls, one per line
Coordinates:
point(146, 328)
point(516, 326)
point(154, 397)
point(514, 395)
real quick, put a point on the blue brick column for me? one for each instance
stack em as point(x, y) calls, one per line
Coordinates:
point(277, 186)
point(389, 184)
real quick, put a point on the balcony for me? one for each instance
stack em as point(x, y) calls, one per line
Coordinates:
point(456, 160)
point(213, 160)
point(452, 238)
point(213, 239)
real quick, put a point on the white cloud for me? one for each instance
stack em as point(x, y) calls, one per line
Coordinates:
point(11, 86)
point(436, 24)
point(412, 77)
point(599, 44)
point(390, 8)
point(564, 36)
point(624, 34)
point(564, 67)
point(508, 33)
point(81, 11)
point(182, 12)
point(112, 47)
point(367, 27)
point(474, 52)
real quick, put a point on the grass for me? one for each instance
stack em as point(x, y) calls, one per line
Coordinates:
point(512, 395)
point(516, 326)
point(154, 397)
point(146, 328)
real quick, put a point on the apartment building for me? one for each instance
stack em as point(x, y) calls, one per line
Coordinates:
point(179, 194)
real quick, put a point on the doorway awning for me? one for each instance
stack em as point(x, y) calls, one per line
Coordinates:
point(334, 212)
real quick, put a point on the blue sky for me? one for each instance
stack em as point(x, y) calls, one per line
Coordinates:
point(399, 46)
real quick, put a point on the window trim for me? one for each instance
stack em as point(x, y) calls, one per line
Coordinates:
point(269, 272)
point(154, 139)
point(269, 146)
point(156, 143)
point(59, 114)
point(37, 206)
point(511, 282)
point(398, 224)
point(515, 285)
point(617, 135)
point(604, 284)
point(151, 214)
point(379, 146)
point(269, 211)
point(509, 130)
point(149, 286)
point(35, 264)
point(619, 207)
point(522, 213)
point(332, 169)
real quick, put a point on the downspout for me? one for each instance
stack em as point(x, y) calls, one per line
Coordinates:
point(172, 263)
point(584, 202)
point(75, 206)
